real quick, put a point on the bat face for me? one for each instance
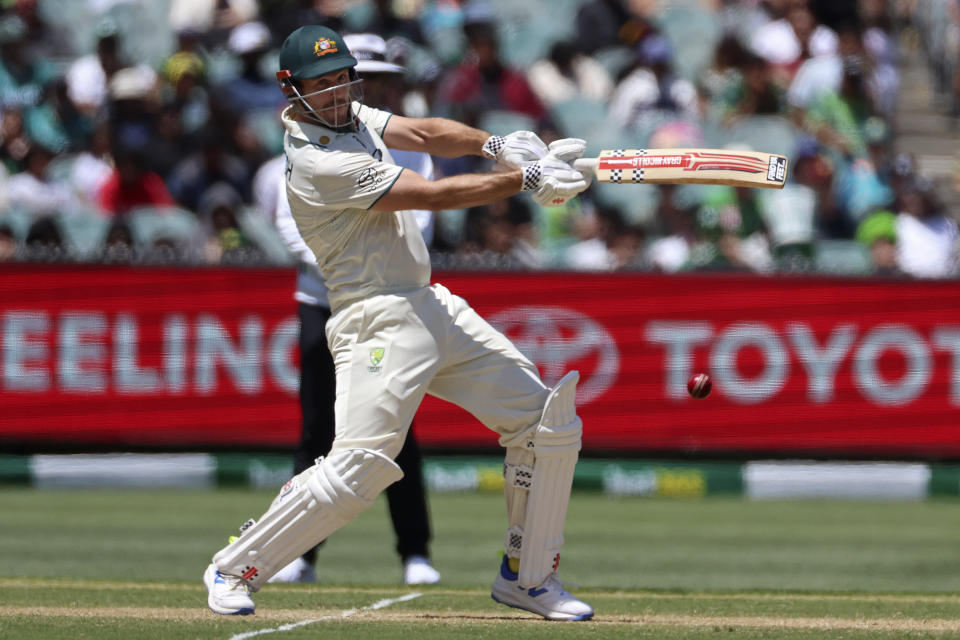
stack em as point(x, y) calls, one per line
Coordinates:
point(689, 166)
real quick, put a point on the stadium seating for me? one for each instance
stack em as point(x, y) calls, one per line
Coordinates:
point(614, 59)
point(638, 203)
point(152, 224)
point(693, 34)
point(578, 115)
point(84, 230)
point(842, 257)
point(502, 122)
point(265, 123)
point(18, 220)
point(262, 232)
point(774, 134)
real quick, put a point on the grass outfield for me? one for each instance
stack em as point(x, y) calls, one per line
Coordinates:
point(127, 564)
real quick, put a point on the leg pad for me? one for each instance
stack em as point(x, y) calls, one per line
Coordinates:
point(308, 509)
point(537, 502)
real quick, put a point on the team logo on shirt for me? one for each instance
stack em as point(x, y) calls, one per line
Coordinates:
point(376, 357)
point(369, 178)
point(323, 46)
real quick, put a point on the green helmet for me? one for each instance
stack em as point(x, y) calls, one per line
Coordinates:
point(313, 51)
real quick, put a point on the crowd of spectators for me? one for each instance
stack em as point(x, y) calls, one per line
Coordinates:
point(135, 130)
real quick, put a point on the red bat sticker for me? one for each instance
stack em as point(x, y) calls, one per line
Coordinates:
point(687, 162)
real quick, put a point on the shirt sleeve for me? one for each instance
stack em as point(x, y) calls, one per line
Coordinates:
point(350, 180)
point(375, 119)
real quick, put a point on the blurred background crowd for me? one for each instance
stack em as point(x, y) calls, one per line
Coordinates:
point(147, 131)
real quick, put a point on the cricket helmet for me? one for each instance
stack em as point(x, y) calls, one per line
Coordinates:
point(310, 52)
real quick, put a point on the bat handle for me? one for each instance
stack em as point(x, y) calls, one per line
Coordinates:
point(585, 164)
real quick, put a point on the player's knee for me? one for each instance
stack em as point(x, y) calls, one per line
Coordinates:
point(558, 427)
point(386, 443)
point(349, 480)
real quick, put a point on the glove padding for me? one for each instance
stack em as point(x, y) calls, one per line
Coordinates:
point(559, 181)
point(554, 180)
point(515, 150)
point(568, 149)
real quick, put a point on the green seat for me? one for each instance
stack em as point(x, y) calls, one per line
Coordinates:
point(772, 134)
point(60, 169)
point(18, 220)
point(637, 202)
point(448, 43)
point(451, 225)
point(692, 196)
point(842, 257)
point(83, 231)
point(502, 122)
point(523, 44)
point(528, 29)
point(145, 39)
point(149, 224)
point(614, 59)
point(265, 123)
point(265, 235)
point(576, 116)
point(605, 135)
point(693, 34)
point(357, 16)
point(74, 20)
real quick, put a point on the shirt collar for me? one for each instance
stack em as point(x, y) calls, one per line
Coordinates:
point(309, 132)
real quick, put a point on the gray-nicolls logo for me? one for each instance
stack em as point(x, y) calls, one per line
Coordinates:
point(555, 339)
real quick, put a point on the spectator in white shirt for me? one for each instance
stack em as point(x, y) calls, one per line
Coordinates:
point(926, 237)
point(30, 191)
point(566, 74)
point(89, 76)
point(652, 90)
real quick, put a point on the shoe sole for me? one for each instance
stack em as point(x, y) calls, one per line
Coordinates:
point(580, 618)
point(227, 612)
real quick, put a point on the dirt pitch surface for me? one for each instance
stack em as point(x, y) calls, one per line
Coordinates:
point(443, 610)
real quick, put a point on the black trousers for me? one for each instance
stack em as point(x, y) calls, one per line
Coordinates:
point(407, 498)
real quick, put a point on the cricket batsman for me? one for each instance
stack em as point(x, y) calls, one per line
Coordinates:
point(395, 337)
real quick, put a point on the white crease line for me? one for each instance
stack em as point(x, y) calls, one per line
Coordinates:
point(380, 604)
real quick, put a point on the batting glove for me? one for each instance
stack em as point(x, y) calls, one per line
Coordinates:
point(515, 150)
point(568, 149)
point(554, 180)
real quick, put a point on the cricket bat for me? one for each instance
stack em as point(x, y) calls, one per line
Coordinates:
point(687, 166)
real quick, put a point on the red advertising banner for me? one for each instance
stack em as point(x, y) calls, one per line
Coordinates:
point(161, 357)
point(201, 357)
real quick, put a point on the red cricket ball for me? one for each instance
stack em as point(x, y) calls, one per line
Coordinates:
point(699, 385)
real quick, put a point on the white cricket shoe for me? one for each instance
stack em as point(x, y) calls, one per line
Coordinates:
point(297, 571)
point(228, 595)
point(549, 600)
point(418, 570)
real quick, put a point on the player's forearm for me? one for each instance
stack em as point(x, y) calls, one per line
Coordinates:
point(455, 192)
point(470, 190)
point(448, 138)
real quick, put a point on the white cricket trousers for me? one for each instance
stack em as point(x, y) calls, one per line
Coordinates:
point(392, 349)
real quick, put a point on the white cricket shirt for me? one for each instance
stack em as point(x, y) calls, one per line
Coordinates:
point(333, 179)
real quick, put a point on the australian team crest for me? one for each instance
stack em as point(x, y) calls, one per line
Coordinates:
point(376, 357)
point(323, 46)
